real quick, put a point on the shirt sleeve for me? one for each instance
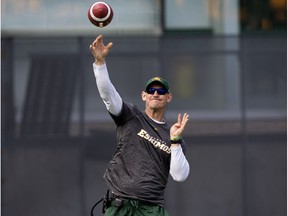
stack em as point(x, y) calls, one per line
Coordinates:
point(107, 91)
point(179, 166)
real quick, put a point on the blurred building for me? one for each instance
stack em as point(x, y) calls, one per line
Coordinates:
point(226, 64)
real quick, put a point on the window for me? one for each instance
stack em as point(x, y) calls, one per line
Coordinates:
point(264, 15)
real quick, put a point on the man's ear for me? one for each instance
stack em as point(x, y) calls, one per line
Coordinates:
point(143, 94)
point(169, 97)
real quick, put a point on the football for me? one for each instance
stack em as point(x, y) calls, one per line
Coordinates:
point(100, 14)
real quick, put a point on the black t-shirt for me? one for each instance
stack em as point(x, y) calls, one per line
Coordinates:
point(140, 166)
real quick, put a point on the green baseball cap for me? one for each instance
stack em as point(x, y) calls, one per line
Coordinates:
point(159, 80)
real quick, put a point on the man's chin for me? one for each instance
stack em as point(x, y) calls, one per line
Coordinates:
point(156, 106)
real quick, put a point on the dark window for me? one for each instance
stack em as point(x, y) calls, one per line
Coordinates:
point(263, 15)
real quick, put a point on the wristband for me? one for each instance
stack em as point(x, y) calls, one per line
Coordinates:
point(176, 140)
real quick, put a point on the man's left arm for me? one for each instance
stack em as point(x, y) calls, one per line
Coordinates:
point(179, 166)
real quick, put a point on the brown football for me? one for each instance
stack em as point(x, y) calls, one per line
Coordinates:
point(100, 14)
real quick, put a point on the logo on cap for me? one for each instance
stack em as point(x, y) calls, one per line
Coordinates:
point(160, 80)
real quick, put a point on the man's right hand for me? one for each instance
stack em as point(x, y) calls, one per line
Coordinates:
point(99, 51)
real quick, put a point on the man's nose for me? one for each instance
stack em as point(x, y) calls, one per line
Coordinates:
point(155, 92)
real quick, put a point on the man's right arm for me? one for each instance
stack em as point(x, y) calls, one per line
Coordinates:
point(108, 93)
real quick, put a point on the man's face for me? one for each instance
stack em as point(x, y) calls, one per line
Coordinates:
point(154, 99)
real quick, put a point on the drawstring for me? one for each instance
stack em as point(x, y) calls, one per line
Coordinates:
point(91, 213)
point(105, 200)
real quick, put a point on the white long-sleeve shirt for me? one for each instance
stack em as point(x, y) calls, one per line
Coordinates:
point(179, 166)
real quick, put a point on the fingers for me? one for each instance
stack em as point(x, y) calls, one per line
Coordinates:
point(178, 128)
point(185, 119)
point(179, 119)
point(182, 122)
point(109, 45)
point(96, 42)
point(99, 41)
